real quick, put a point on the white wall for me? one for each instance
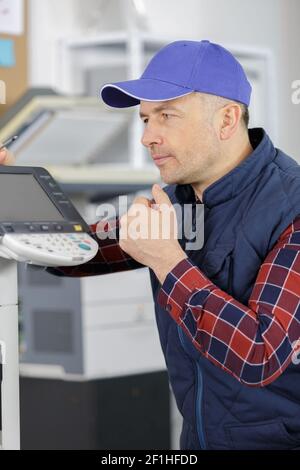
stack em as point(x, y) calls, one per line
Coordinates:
point(268, 24)
point(48, 21)
point(289, 68)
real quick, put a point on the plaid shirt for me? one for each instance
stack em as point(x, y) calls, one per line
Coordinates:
point(254, 343)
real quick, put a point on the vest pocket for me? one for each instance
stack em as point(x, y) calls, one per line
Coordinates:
point(267, 435)
point(218, 267)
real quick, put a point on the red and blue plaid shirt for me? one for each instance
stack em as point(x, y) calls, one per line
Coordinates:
point(236, 337)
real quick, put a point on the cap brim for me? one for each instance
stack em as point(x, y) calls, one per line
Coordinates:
point(132, 92)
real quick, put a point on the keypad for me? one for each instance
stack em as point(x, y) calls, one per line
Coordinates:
point(68, 243)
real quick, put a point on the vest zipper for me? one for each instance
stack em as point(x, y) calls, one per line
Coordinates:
point(230, 276)
point(199, 394)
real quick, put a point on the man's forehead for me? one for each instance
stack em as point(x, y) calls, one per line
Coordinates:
point(147, 107)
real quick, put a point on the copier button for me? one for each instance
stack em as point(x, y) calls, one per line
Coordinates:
point(83, 246)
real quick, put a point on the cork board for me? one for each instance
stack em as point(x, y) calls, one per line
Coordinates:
point(16, 78)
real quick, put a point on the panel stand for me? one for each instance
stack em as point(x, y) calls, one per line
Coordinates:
point(9, 346)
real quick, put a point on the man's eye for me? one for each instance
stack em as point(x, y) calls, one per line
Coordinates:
point(145, 121)
point(166, 115)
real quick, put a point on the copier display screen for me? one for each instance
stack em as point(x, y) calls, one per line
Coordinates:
point(23, 199)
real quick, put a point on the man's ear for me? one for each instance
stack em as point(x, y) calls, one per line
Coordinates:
point(229, 120)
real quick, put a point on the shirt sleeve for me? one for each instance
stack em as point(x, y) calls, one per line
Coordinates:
point(254, 343)
point(110, 258)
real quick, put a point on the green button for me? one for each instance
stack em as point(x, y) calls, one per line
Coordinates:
point(84, 247)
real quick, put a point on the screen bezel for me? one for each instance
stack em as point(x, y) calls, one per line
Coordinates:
point(71, 218)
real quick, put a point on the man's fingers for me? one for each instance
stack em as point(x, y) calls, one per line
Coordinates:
point(2, 155)
point(139, 206)
point(142, 200)
point(123, 220)
point(160, 196)
point(6, 157)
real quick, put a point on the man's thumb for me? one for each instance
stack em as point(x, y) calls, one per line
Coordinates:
point(160, 196)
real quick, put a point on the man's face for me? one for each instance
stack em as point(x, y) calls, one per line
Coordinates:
point(181, 138)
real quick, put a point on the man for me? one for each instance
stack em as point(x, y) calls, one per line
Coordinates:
point(228, 314)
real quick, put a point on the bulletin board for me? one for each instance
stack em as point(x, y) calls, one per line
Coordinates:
point(15, 77)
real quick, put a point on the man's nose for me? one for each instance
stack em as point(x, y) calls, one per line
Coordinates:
point(151, 136)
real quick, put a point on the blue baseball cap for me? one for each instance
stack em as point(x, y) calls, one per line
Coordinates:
point(180, 68)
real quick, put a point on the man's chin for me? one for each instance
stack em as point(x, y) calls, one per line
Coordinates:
point(169, 179)
point(172, 179)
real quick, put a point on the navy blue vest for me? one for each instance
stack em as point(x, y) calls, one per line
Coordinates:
point(245, 213)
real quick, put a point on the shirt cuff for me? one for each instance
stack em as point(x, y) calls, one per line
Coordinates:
point(179, 285)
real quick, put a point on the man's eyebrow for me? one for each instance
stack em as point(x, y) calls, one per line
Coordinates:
point(160, 108)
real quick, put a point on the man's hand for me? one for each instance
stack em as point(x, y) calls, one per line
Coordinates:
point(6, 157)
point(149, 234)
